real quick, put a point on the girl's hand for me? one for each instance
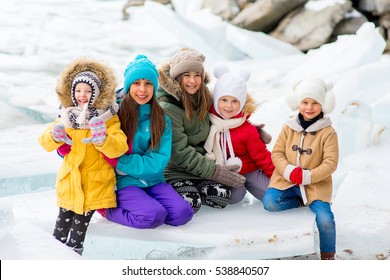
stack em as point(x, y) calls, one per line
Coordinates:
point(296, 176)
point(59, 134)
point(98, 131)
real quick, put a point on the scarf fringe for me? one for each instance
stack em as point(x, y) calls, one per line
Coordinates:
point(74, 117)
point(219, 139)
point(82, 118)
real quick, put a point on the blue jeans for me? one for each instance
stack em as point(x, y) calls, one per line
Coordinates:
point(279, 200)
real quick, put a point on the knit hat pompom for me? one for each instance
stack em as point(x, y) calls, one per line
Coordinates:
point(231, 84)
point(315, 88)
point(220, 70)
point(140, 68)
point(90, 78)
point(234, 161)
point(329, 86)
point(186, 60)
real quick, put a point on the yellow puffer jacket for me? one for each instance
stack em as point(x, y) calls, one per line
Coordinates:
point(85, 181)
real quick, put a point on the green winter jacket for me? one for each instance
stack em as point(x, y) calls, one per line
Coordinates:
point(188, 137)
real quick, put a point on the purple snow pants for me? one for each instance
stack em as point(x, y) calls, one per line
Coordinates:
point(150, 207)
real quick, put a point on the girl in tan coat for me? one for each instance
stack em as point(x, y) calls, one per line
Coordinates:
point(86, 132)
point(305, 155)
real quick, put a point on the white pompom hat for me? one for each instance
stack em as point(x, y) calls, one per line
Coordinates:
point(230, 83)
point(315, 88)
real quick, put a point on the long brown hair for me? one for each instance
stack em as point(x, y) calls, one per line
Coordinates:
point(200, 102)
point(128, 115)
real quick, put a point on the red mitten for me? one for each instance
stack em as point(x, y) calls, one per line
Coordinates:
point(296, 176)
point(64, 149)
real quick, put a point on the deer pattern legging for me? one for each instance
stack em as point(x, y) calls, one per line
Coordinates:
point(203, 192)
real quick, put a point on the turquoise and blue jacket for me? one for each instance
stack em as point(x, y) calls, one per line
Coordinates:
point(144, 167)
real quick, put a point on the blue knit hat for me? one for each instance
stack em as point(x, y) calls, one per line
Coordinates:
point(140, 68)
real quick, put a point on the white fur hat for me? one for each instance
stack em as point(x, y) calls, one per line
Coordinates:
point(315, 88)
point(230, 83)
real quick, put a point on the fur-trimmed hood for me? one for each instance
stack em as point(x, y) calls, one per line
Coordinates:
point(105, 74)
point(170, 85)
point(250, 105)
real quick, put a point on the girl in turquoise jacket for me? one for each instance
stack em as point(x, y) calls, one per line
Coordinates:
point(144, 198)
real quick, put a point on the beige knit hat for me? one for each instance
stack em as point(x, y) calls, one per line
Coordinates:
point(186, 60)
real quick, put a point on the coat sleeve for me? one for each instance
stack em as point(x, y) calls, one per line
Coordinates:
point(153, 162)
point(47, 141)
point(259, 153)
point(278, 156)
point(116, 141)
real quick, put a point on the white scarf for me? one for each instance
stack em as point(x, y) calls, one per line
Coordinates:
point(75, 117)
point(219, 138)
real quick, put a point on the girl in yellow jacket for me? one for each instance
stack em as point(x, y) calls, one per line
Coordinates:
point(305, 155)
point(87, 131)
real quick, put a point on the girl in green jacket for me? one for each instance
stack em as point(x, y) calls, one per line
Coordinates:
point(184, 96)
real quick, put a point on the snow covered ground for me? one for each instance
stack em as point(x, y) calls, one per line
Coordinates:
point(40, 37)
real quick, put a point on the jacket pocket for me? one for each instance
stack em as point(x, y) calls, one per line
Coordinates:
point(101, 184)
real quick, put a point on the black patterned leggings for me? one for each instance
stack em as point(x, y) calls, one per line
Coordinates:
point(206, 192)
point(71, 228)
